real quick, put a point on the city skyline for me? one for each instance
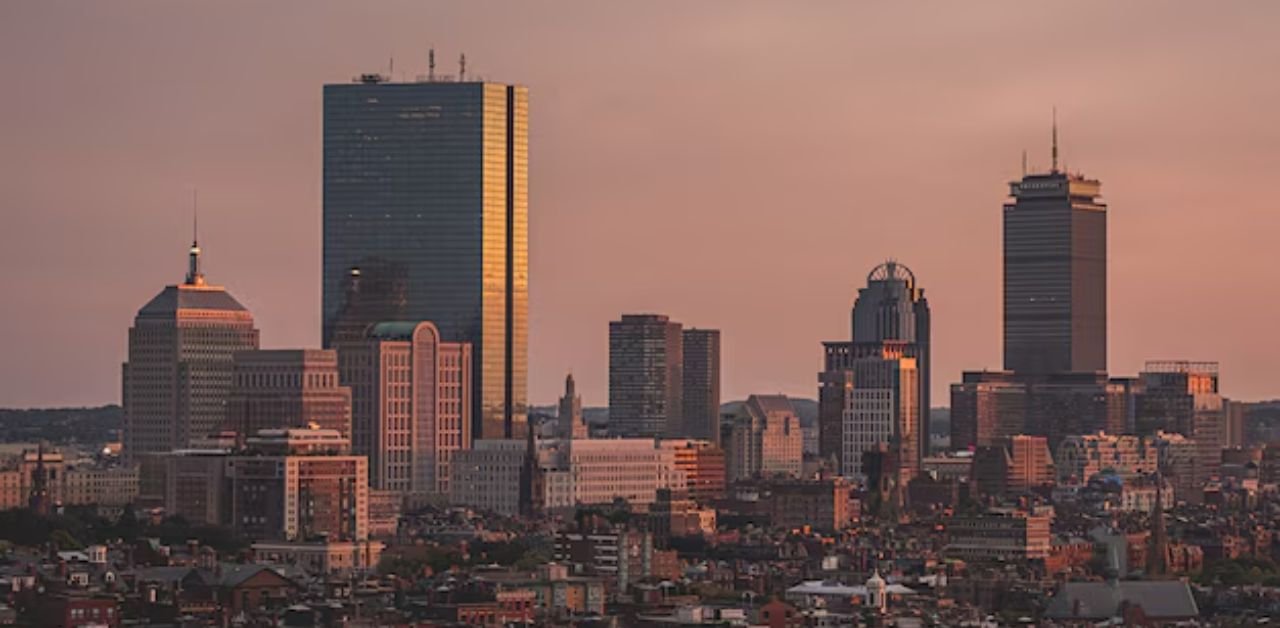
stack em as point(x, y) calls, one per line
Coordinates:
point(1169, 189)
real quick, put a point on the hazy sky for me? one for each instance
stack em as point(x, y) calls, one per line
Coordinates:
point(735, 165)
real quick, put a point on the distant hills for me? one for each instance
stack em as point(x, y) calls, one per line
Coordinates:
point(61, 426)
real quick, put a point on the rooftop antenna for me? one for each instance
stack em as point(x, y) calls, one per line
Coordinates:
point(431, 64)
point(195, 217)
point(391, 67)
point(1055, 140)
point(462, 68)
point(194, 276)
point(1024, 163)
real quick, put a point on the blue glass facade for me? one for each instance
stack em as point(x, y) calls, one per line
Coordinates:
point(426, 218)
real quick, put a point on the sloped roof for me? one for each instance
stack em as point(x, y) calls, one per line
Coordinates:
point(1102, 600)
point(174, 298)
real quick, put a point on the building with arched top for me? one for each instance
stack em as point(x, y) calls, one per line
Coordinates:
point(890, 343)
point(410, 404)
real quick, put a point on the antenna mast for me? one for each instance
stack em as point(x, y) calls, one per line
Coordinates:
point(431, 64)
point(1055, 140)
point(462, 68)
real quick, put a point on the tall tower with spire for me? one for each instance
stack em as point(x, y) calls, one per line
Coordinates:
point(1055, 273)
point(570, 423)
point(179, 372)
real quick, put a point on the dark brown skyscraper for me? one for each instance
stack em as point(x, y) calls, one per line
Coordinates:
point(702, 384)
point(1055, 274)
point(646, 379)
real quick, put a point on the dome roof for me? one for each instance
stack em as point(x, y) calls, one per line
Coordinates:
point(891, 270)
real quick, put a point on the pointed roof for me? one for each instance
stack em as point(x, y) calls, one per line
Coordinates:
point(174, 298)
point(192, 294)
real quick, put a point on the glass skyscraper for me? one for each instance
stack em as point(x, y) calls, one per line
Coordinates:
point(426, 218)
point(1055, 275)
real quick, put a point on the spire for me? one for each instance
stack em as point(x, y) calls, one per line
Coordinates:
point(1055, 140)
point(194, 276)
point(569, 386)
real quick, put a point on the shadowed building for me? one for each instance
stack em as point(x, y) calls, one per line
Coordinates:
point(701, 389)
point(1013, 465)
point(179, 373)
point(646, 378)
point(1055, 274)
point(426, 218)
point(986, 406)
point(283, 388)
point(1182, 397)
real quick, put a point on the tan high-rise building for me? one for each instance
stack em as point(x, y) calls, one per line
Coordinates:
point(283, 388)
point(179, 373)
point(763, 439)
point(411, 405)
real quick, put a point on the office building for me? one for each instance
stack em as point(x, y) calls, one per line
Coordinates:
point(823, 505)
point(891, 311)
point(1066, 404)
point(569, 420)
point(703, 465)
point(411, 405)
point(1182, 396)
point(701, 389)
point(1079, 458)
point(299, 485)
point(283, 388)
point(633, 469)
point(762, 439)
point(986, 407)
point(835, 383)
point(1055, 274)
point(195, 486)
point(487, 476)
point(179, 371)
point(883, 408)
point(1013, 465)
point(1233, 434)
point(646, 378)
point(1000, 535)
point(1176, 459)
point(426, 218)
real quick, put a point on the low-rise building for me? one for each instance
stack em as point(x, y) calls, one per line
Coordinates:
point(1000, 535)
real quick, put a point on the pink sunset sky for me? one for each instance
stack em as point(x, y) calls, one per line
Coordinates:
point(735, 165)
